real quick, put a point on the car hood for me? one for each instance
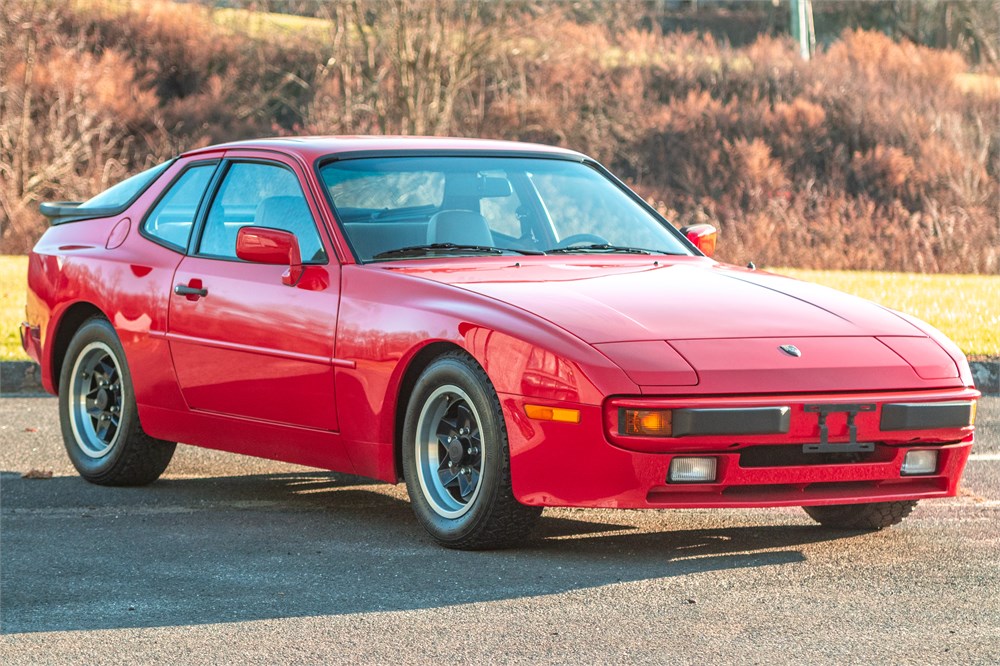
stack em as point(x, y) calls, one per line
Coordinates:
point(715, 328)
point(678, 300)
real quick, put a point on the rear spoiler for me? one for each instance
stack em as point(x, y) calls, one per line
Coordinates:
point(61, 212)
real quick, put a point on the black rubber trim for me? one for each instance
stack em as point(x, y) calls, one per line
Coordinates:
point(743, 421)
point(922, 416)
point(444, 152)
point(61, 212)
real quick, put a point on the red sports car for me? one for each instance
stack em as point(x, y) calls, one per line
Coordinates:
point(504, 326)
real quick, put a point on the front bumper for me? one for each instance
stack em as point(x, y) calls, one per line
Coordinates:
point(585, 464)
point(801, 485)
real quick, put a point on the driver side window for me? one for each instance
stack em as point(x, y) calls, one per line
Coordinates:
point(259, 195)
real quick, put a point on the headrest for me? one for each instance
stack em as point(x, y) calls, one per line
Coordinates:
point(462, 227)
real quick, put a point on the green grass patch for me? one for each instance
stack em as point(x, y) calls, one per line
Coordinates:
point(13, 293)
point(255, 24)
point(260, 25)
point(965, 307)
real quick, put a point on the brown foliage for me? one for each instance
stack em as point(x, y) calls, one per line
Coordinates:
point(869, 156)
point(876, 158)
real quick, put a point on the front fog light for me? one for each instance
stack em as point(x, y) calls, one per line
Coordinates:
point(919, 462)
point(692, 470)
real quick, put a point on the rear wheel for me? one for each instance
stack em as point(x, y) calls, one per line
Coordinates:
point(456, 459)
point(98, 416)
point(873, 516)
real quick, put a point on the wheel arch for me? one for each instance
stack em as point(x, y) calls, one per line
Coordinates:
point(417, 364)
point(69, 322)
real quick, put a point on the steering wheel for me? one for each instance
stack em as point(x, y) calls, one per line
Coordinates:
point(574, 239)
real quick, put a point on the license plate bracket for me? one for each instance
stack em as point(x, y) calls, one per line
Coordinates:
point(852, 410)
point(857, 447)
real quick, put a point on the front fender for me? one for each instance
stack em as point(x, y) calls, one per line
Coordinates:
point(943, 341)
point(381, 335)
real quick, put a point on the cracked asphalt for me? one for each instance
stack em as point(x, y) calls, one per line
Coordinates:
point(230, 559)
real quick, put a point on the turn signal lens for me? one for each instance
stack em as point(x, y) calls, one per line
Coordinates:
point(552, 413)
point(646, 422)
point(972, 414)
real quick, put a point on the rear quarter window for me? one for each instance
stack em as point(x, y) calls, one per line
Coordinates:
point(170, 221)
point(120, 195)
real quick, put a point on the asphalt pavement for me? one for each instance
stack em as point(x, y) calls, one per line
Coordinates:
point(229, 559)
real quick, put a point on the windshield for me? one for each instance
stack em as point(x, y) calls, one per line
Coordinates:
point(396, 207)
point(118, 195)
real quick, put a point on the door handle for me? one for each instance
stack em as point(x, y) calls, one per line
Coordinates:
point(185, 290)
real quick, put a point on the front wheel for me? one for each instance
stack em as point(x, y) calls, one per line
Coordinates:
point(98, 416)
point(873, 516)
point(456, 459)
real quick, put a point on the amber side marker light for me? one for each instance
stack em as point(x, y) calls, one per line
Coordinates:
point(552, 413)
point(972, 414)
point(645, 422)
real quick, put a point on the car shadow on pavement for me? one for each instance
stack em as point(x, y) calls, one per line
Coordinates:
point(229, 549)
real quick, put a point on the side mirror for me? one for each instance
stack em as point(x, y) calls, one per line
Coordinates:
point(263, 245)
point(702, 236)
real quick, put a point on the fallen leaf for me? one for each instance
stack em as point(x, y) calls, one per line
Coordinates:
point(31, 430)
point(37, 474)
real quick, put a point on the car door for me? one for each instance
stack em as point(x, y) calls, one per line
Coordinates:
point(243, 343)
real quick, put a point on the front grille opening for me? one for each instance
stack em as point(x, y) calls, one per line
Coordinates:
point(791, 455)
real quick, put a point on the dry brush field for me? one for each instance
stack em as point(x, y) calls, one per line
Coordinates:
point(876, 154)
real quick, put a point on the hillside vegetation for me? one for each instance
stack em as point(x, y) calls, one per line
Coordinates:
point(876, 154)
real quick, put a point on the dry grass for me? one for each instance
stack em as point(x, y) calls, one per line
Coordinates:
point(13, 288)
point(966, 308)
point(266, 25)
point(979, 83)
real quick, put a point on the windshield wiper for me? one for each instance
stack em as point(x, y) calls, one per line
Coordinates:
point(433, 248)
point(600, 248)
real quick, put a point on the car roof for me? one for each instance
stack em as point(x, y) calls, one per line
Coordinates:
point(310, 148)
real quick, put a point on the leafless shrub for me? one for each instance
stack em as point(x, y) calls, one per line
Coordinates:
point(876, 154)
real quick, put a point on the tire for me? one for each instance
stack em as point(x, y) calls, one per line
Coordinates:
point(872, 517)
point(98, 416)
point(456, 459)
